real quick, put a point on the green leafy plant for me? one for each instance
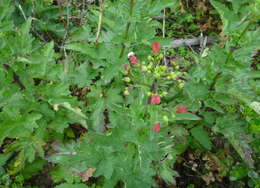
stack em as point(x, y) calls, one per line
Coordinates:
point(93, 95)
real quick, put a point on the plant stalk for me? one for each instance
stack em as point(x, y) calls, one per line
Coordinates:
point(101, 12)
point(131, 4)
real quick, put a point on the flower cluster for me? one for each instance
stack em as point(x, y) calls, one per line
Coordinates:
point(158, 70)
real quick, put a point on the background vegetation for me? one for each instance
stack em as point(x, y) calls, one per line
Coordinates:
point(77, 110)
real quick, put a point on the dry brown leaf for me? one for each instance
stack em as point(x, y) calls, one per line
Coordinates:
point(85, 175)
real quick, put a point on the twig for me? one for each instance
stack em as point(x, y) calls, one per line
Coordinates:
point(191, 42)
point(197, 41)
point(192, 49)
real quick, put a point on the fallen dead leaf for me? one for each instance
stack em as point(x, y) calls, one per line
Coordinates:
point(85, 175)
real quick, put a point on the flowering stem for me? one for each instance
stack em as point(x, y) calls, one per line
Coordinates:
point(131, 4)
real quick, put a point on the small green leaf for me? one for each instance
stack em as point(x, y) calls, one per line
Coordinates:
point(68, 106)
point(33, 168)
point(224, 99)
point(214, 105)
point(105, 168)
point(81, 33)
point(4, 158)
point(25, 29)
point(84, 48)
point(61, 173)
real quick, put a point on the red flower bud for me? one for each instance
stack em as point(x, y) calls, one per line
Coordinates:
point(181, 109)
point(155, 99)
point(156, 46)
point(133, 59)
point(156, 127)
point(126, 66)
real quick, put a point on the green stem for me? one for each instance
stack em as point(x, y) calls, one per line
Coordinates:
point(131, 4)
point(101, 12)
point(215, 79)
point(239, 38)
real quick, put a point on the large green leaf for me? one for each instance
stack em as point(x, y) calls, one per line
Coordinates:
point(231, 20)
point(196, 90)
point(232, 128)
point(186, 116)
point(202, 137)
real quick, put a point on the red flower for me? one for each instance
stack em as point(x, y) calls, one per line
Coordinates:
point(156, 127)
point(156, 46)
point(133, 59)
point(181, 109)
point(155, 99)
